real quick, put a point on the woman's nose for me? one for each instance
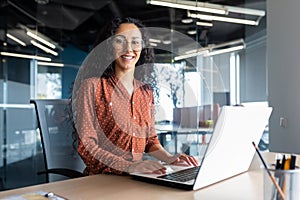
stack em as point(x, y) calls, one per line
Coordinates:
point(128, 47)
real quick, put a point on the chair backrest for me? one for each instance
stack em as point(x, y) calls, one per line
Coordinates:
point(56, 128)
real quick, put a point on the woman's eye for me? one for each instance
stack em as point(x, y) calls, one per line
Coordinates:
point(135, 42)
point(119, 41)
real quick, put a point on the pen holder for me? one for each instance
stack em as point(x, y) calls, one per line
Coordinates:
point(288, 181)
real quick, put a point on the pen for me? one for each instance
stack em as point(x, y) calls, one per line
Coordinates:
point(283, 162)
point(277, 174)
point(283, 181)
point(269, 173)
point(278, 158)
point(293, 162)
point(51, 195)
point(287, 164)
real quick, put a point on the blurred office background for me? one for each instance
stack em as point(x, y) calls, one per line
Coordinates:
point(233, 70)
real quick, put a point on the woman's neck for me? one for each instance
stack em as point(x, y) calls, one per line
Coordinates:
point(127, 79)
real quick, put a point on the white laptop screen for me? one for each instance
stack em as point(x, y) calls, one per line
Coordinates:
point(230, 150)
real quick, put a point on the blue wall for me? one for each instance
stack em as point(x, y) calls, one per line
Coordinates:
point(72, 57)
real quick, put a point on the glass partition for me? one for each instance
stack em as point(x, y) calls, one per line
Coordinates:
point(20, 141)
point(195, 75)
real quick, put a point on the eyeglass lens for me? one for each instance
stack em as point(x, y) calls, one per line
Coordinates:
point(120, 42)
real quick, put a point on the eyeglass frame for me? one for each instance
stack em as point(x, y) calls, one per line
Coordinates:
point(125, 44)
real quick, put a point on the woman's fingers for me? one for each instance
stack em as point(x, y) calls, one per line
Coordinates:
point(185, 160)
point(150, 166)
point(192, 161)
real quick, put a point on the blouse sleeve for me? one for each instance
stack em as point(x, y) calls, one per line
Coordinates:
point(96, 159)
point(152, 137)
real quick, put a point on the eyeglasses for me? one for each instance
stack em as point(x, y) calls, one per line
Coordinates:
point(119, 42)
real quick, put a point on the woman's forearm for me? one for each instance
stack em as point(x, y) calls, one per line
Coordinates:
point(160, 153)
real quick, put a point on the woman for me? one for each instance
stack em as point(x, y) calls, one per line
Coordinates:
point(114, 112)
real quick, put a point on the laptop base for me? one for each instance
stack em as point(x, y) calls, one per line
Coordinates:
point(163, 182)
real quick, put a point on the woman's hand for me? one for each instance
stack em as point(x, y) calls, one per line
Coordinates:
point(183, 160)
point(147, 166)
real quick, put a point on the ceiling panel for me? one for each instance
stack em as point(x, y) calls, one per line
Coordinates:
point(78, 21)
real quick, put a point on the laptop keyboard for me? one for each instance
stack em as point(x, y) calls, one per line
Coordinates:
point(182, 175)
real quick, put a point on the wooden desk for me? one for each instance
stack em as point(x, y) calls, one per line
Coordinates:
point(246, 186)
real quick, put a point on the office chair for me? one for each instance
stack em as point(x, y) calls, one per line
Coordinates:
point(56, 128)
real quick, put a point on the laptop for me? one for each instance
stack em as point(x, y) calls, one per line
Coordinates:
point(229, 152)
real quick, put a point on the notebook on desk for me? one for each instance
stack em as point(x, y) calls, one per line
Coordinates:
point(229, 152)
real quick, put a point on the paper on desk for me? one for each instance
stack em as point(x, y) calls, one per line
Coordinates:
point(38, 195)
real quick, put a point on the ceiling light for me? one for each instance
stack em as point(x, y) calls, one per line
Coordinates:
point(153, 44)
point(233, 45)
point(190, 5)
point(213, 8)
point(47, 50)
point(187, 20)
point(17, 55)
point(192, 51)
point(207, 7)
point(40, 37)
point(15, 39)
point(246, 11)
point(226, 44)
point(154, 40)
point(202, 52)
point(166, 41)
point(223, 19)
point(192, 32)
point(230, 49)
point(42, 2)
point(204, 24)
point(51, 64)
point(42, 40)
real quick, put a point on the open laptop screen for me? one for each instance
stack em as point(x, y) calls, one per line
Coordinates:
point(230, 150)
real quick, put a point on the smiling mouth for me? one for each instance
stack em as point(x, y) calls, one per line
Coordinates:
point(127, 57)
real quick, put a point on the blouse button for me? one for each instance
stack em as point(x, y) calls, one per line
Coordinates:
point(110, 103)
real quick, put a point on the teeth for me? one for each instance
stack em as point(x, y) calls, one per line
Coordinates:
point(127, 57)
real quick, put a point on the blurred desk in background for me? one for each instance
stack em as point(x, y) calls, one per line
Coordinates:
point(171, 136)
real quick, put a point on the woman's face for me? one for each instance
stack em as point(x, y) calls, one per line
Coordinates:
point(127, 46)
